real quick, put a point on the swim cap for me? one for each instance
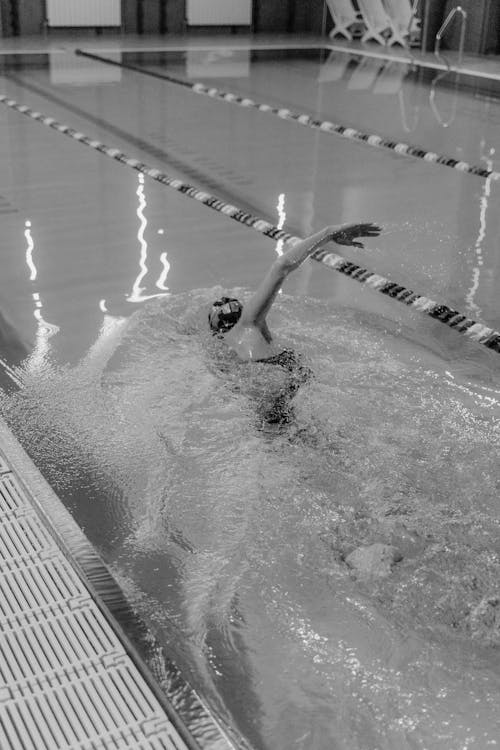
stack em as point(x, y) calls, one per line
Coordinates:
point(224, 314)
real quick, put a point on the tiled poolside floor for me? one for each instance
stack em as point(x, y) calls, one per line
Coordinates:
point(66, 679)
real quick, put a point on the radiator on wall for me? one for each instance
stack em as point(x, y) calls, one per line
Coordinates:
point(219, 12)
point(84, 12)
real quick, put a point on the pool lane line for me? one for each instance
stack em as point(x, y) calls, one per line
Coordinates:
point(456, 320)
point(173, 154)
point(325, 126)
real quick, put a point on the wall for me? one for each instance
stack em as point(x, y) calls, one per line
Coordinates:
point(271, 16)
point(22, 17)
point(6, 15)
point(308, 16)
point(482, 25)
point(25, 17)
point(31, 15)
point(155, 16)
point(282, 16)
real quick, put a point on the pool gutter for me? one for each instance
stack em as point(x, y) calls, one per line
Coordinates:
point(48, 543)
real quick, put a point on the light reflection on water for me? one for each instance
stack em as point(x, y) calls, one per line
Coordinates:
point(137, 295)
point(230, 534)
point(45, 330)
point(478, 245)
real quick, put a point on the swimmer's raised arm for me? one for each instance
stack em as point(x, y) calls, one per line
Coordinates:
point(256, 309)
point(244, 327)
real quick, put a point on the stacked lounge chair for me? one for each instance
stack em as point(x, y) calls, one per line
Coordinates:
point(405, 25)
point(385, 21)
point(345, 18)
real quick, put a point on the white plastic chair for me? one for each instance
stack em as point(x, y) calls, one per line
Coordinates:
point(378, 24)
point(344, 16)
point(404, 25)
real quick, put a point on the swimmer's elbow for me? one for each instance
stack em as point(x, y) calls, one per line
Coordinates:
point(284, 264)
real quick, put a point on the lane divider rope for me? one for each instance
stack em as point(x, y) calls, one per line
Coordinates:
point(403, 149)
point(456, 320)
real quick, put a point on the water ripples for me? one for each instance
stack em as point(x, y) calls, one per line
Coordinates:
point(233, 533)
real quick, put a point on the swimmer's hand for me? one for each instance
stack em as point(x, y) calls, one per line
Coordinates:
point(345, 234)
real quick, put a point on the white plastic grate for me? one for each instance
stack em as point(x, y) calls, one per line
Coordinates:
point(12, 497)
point(109, 708)
point(66, 681)
point(45, 648)
point(22, 538)
point(34, 586)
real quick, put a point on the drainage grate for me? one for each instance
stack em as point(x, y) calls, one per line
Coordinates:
point(105, 710)
point(12, 498)
point(23, 537)
point(32, 587)
point(66, 681)
point(53, 649)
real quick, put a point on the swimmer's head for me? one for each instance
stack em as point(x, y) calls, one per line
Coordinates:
point(224, 314)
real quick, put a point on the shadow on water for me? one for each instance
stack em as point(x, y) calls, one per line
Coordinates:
point(231, 534)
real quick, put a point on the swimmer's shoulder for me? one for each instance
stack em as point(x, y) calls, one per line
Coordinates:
point(250, 344)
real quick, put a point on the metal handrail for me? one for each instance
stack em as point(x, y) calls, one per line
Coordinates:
point(446, 23)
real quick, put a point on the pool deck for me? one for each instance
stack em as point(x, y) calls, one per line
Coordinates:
point(68, 678)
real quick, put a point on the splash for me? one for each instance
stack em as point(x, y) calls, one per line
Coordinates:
point(235, 531)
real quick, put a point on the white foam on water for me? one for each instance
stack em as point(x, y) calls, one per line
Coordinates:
point(233, 532)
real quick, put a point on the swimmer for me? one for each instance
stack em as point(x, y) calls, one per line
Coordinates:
point(245, 329)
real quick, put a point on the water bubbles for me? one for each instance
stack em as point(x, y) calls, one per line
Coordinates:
point(240, 531)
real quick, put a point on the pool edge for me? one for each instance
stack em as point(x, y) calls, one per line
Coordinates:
point(106, 593)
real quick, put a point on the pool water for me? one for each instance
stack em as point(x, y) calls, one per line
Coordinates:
point(230, 534)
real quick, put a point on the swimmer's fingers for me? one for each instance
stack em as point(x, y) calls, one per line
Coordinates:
point(343, 239)
point(347, 233)
point(349, 242)
point(369, 230)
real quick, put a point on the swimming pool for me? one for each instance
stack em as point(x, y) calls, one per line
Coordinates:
point(231, 537)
